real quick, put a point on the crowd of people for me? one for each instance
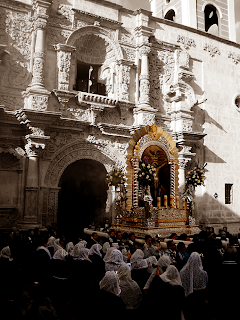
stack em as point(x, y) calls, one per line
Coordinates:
point(46, 276)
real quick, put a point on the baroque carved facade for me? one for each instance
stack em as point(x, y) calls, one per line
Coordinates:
point(149, 70)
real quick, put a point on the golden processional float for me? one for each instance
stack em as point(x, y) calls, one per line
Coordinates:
point(150, 203)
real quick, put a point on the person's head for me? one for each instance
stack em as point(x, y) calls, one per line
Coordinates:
point(148, 239)
point(171, 276)
point(174, 236)
point(125, 235)
point(112, 233)
point(181, 247)
point(95, 235)
point(119, 235)
point(171, 245)
point(17, 233)
point(36, 232)
point(211, 230)
point(225, 229)
point(223, 234)
point(132, 236)
point(183, 237)
point(208, 230)
point(31, 232)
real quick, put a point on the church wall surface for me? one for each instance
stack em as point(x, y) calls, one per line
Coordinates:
point(154, 71)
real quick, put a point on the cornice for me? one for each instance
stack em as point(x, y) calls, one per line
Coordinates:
point(114, 23)
point(13, 4)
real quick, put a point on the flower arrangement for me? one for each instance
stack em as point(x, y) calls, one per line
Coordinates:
point(195, 177)
point(115, 178)
point(146, 173)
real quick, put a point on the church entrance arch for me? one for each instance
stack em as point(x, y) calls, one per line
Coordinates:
point(82, 196)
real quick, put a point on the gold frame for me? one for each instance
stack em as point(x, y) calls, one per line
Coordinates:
point(143, 138)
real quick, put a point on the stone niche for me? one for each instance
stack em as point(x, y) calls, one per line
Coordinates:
point(10, 186)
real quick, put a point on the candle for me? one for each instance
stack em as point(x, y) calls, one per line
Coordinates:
point(171, 200)
point(183, 203)
point(158, 202)
point(177, 202)
point(165, 201)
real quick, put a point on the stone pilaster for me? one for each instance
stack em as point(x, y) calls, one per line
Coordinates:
point(123, 79)
point(36, 96)
point(64, 57)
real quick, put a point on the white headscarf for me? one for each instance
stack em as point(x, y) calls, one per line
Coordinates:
point(108, 253)
point(110, 283)
point(82, 244)
point(95, 249)
point(137, 261)
point(151, 260)
point(192, 274)
point(60, 254)
point(52, 242)
point(131, 293)
point(105, 247)
point(114, 261)
point(46, 250)
point(171, 275)
point(69, 247)
point(6, 253)
point(83, 254)
point(163, 261)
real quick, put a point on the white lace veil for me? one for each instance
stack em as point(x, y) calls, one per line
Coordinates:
point(52, 242)
point(130, 292)
point(6, 252)
point(60, 254)
point(110, 283)
point(192, 274)
point(114, 261)
point(95, 249)
point(83, 254)
point(171, 275)
point(137, 261)
point(163, 261)
point(69, 247)
point(105, 247)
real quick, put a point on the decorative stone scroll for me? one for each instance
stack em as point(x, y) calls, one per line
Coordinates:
point(142, 139)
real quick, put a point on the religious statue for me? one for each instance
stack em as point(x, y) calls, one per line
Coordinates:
point(158, 159)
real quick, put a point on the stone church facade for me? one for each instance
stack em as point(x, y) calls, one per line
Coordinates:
point(78, 78)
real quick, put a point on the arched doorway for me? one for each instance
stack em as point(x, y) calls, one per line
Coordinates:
point(82, 197)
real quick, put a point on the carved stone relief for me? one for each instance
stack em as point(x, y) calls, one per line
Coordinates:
point(8, 161)
point(16, 33)
point(11, 103)
point(63, 17)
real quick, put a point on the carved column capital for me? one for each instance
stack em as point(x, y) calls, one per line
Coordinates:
point(144, 50)
point(40, 22)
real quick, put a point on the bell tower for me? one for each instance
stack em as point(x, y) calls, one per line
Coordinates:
point(214, 17)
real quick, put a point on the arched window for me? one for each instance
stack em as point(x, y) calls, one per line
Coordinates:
point(211, 20)
point(170, 15)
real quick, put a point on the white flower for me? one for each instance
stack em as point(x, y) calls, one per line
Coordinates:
point(148, 166)
point(147, 176)
point(143, 164)
point(150, 171)
point(143, 173)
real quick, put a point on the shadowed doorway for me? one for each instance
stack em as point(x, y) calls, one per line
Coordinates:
point(82, 197)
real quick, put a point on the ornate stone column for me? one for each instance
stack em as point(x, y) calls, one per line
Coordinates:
point(144, 114)
point(144, 76)
point(36, 96)
point(49, 209)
